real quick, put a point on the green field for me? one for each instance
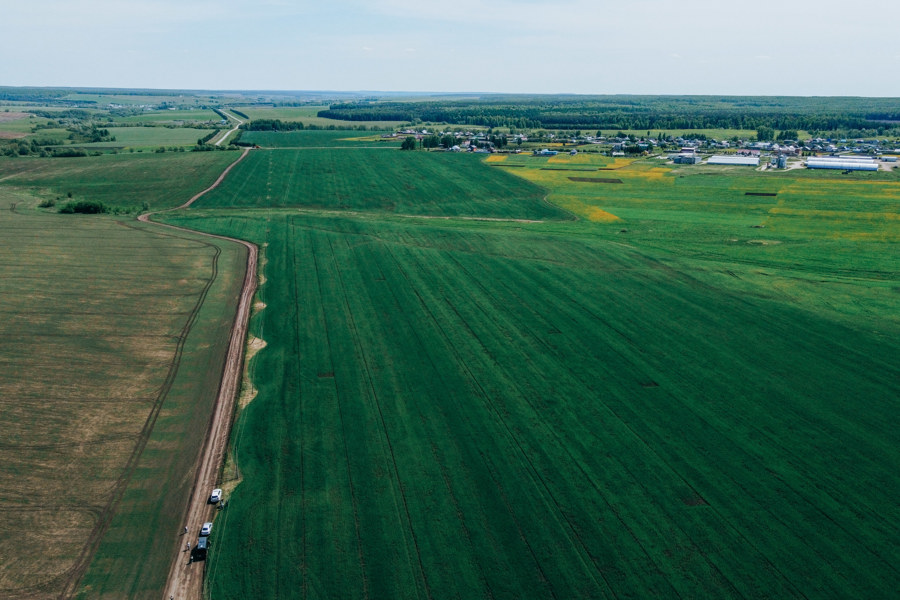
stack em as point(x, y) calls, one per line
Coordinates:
point(199, 115)
point(131, 99)
point(150, 137)
point(661, 399)
point(316, 139)
point(482, 376)
point(123, 180)
point(414, 183)
point(308, 115)
point(113, 340)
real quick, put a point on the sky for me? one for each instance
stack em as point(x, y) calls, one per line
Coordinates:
point(792, 47)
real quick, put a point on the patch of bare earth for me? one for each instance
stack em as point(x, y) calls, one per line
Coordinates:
point(5, 117)
point(249, 391)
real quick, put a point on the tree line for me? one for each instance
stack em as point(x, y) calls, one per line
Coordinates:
point(272, 125)
point(279, 125)
point(634, 112)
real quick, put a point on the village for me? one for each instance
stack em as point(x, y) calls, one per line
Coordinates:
point(813, 153)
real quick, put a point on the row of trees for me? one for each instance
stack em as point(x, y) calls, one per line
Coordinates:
point(767, 134)
point(446, 141)
point(272, 125)
point(84, 207)
point(279, 125)
point(36, 148)
point(207, 137)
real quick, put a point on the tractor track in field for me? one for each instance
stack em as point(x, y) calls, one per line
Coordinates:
point(344, 433)
point(485, 397)
point(385, 431)
point(185, 579)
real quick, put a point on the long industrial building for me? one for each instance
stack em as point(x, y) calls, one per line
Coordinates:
point(743, 161)
point(842, 163)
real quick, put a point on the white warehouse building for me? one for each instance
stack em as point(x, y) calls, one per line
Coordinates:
point(838, 162)
point(743, 161)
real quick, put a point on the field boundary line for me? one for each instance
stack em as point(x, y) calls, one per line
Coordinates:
point(340, 410)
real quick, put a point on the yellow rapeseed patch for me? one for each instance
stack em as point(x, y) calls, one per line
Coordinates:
point(546, 178)
point(583, 209)
point(618, 162)
point(578, 159)
point(598, 215)
point(656, 174)
point(496, 158)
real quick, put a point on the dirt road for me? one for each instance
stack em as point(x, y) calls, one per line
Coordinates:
point(236, 127)
point(185, 577)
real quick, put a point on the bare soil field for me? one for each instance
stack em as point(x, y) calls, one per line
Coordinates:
point(12, 116)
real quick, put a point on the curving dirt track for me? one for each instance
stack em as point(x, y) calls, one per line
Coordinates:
point(236, 127)
point(185, 579)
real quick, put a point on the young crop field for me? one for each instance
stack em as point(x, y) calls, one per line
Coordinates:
point(308, 115)
point(409, 183)
point(113, 340)
point(693, 397)
point(131, 99)
point(122, 180)
point(322, 138)
point(197, 115)
point(150, 137)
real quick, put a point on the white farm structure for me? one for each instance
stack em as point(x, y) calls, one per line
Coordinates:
point(843, 163)
point(742, 161)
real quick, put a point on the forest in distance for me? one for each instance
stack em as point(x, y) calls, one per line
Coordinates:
point(869, 116)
